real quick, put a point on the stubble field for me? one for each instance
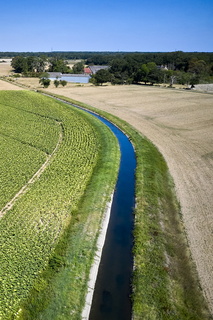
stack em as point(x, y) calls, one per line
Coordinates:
point(180, 124)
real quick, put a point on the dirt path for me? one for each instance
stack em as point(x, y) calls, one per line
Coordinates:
point(34, 178)
point(180, 124)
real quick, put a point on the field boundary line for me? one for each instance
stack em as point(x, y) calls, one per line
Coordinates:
point(35, 177)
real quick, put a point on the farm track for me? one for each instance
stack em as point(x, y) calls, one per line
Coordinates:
point(35, 177)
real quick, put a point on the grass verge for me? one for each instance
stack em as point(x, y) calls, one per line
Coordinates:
point(165, 280)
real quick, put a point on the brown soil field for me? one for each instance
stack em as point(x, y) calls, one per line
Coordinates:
point(180, 124)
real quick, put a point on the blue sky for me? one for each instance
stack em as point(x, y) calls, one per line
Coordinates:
point(101, 25)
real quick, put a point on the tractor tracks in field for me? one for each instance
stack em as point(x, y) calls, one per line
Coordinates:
point(36, 176)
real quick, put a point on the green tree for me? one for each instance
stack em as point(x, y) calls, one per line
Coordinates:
point(78, 67)
point(197, 67)
point(155, 76)
point(183, 77)
point(19, 64)
point(44, 75)
point(194, 79)
point(101, 77)
point(144, 71)
point(149, 73)
point(59, 65)
point(28, 64)
point(44, 80)
point(63, 83)
point(56, 83)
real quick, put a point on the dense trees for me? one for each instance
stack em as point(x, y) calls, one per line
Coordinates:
point(58, 65)
point(19, 64)
point(37, 65)
point(152, 67)
point(169, 68)
point(148, 72)
point(101, 77)
point(78, 67)
point(177, 59)
point(29, 64)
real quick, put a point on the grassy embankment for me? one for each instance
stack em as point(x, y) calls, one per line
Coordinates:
point(49, 237)
point(165, 281)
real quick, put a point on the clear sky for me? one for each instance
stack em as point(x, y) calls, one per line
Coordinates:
point(106, 25)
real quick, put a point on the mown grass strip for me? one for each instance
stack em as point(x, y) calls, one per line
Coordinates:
point(165, 282)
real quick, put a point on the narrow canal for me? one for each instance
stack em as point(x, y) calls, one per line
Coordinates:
point(111, 299)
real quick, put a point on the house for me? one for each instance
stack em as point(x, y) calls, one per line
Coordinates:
point(162, 67)
point(53, 75)
point(95, 69)
point(87, 71)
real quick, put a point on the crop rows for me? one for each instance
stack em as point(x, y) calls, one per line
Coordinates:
point(31, 229)
point(17, 162)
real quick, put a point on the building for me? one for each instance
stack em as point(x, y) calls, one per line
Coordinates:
point(95, 69)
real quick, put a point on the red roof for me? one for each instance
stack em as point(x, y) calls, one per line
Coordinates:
point(87, 70)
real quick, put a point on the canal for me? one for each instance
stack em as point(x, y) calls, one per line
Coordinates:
point(111, 298)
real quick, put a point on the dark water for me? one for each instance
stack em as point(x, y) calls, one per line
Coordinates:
point(111, 300)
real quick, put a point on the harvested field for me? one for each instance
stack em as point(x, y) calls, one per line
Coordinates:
point(8, 86)
point(5, 67)
point(180, 124)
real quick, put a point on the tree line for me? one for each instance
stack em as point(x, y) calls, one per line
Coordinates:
point(178, 58)
point(33, 65)
point(125, 68)
point(129, 70)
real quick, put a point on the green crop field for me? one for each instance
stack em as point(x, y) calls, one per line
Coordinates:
point(36, 130)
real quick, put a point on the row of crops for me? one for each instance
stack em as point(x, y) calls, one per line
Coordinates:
point(30, 128)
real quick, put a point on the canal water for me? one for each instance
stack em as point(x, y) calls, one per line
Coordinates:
point(111, 299)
